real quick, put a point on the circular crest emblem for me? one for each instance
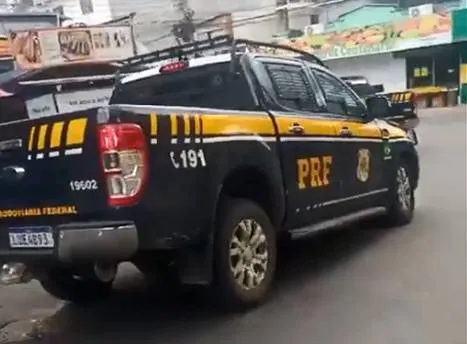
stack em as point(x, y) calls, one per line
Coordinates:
point(363, 164)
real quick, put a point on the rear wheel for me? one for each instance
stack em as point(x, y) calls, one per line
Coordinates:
point(245, 255)
point(65, 285)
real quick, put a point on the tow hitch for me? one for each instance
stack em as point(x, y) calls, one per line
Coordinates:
point(14, 273)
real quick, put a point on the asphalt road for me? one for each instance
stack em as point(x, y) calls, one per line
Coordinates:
point(355, 286)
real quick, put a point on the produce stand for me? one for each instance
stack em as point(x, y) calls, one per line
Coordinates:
point(435, 96)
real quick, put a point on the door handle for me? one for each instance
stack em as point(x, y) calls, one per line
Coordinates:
point(345, 132)
point(385, 134)
point(296, 128)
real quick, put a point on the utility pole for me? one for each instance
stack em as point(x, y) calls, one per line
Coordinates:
point(283, 24)
point(184, 30)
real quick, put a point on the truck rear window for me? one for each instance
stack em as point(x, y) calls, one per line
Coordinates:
point(210, 86)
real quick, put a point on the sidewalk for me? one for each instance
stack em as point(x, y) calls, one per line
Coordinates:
point(460, 109)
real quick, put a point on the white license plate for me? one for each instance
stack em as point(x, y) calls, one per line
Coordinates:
point(31, 237)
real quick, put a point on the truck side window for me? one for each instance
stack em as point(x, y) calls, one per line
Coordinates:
point(339, 98)
point(209, 86)
point(292, 87)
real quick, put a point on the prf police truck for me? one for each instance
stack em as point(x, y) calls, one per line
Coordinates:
point(197, 169)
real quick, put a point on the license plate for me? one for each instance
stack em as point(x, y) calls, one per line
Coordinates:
point(31, 237)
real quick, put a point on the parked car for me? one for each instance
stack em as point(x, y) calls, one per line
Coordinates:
point(403, 112)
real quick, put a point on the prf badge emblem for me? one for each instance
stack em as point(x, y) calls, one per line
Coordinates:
point(363, 165)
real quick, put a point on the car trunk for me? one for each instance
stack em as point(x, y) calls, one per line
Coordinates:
point(50, 170)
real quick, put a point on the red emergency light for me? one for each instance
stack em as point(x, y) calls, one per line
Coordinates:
point(174, 67)
point(4, 94)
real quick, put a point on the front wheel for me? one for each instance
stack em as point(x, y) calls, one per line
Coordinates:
point(65, 285)
point(245, 255)
point(402, 205)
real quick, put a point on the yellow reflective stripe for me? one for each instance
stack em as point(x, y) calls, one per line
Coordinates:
point(153, 124)
point(31, 138)
point(41, 139)
point(56, 135)
point(76, 130)
point(173, 124)
point(186, 124)
point(217, 124)
point(197, 125)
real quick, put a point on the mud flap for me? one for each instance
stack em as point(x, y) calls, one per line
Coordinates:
point(195, 264)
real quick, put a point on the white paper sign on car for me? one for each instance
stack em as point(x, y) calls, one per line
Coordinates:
point(42, 106)
point(82, 100)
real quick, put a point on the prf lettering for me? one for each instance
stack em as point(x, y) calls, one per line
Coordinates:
point(314, 172)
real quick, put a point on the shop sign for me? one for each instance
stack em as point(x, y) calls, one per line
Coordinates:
point(42, 106)
point(429, 30)
point(47, 47)
point(459, 27)
point(60, 103)
point(82, 100)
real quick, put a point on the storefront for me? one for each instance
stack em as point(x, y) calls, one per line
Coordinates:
point(6, 59)
point(434, 73)
point(416, 54)
point(459, 36)
point(75, 70)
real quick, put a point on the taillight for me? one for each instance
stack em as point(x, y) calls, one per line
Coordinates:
point(125, 162)
point(174, 67)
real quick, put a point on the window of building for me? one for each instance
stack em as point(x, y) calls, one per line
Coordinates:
point(419, 72)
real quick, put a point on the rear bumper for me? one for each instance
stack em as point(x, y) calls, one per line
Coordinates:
point(79, 243)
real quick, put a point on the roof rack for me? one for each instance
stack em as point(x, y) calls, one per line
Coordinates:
point(273, 47)
point(210, 44)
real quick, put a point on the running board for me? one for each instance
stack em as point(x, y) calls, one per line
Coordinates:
point(337, 222)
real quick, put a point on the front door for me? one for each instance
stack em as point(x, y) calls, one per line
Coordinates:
point(361, 144)
point(309, 158)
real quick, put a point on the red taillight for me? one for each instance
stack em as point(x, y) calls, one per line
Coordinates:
point(174, 67)
point(125, 162)
point(4, 94)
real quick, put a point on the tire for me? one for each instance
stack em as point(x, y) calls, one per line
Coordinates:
point(402, 205)
point(63, 285)
point(233, 293)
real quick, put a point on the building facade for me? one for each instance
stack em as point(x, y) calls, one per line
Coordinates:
point(417, 51)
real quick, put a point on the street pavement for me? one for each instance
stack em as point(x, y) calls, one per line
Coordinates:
point(361, 285)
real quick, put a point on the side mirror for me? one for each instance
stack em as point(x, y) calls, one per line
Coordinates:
point(378, 88)
point(378, 107)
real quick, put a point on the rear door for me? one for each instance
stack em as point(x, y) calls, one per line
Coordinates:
point(359, 142)
point(309, 158)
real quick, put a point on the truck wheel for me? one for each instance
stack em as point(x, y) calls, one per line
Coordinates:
point(245, 255)
point(64, 285)
point(402, 206)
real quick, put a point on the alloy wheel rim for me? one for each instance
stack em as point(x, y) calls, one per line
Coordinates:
point(404, 192)
point(248, 252)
